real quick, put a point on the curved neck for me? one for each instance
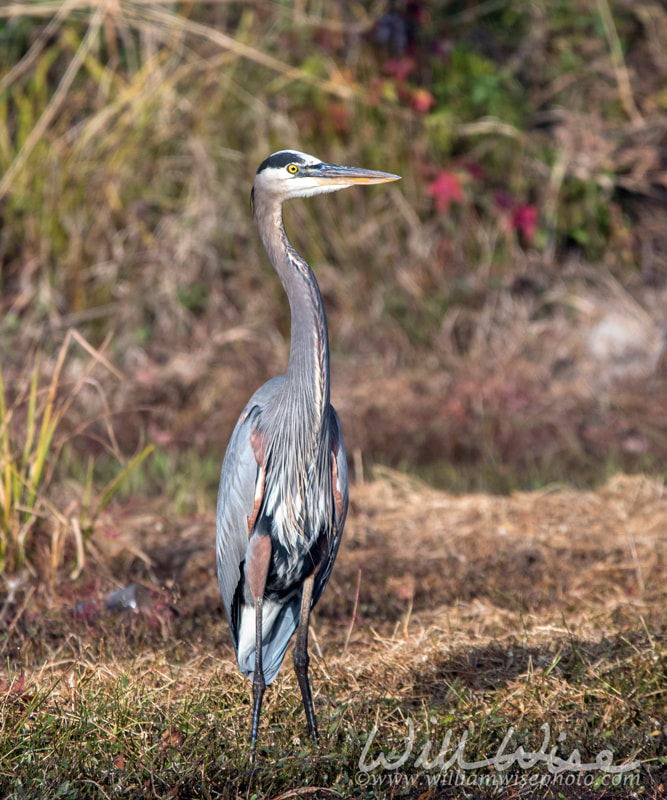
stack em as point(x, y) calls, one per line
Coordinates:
point(307, 376)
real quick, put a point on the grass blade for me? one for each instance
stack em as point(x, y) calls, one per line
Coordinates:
point(112, 487)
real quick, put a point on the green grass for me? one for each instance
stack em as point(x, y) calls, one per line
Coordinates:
point(156, 725)
point(494, 618)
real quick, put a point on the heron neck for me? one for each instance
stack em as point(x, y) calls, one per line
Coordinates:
point(307, 376)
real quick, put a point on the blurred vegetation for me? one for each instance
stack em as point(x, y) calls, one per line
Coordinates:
point(530, 138)
point(31, 448)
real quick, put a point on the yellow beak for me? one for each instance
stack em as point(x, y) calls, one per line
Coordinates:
point(327, 174)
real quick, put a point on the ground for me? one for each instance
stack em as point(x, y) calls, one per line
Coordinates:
point(485, 617)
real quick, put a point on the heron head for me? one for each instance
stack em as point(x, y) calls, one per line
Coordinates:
point(289, 173)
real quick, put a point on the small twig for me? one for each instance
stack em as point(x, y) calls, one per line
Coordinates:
point(303, 790)
point(80, 556)
point(97, 785)
point(96, 353)
point(316, 642)
point(486, 126)
point(354, 612)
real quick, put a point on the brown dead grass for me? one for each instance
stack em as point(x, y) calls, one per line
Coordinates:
point(538, 607)
point(529, 551)
point(418, 562)
point(428, 553)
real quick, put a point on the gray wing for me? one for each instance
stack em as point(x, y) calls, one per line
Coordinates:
point(341, 501)
point(239, 481)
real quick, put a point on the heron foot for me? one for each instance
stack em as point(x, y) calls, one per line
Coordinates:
point(258, 688)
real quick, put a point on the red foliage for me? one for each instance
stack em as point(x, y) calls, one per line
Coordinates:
point(446, 188)
point(422, 101)
point(475, 170)
point(524, 219)
point(522, 216)
point(399, 68)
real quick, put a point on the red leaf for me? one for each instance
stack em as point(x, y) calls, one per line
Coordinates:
point(422, 100)
point(475, 170)
point(524, 219)
point(399, 68)
point(446, 188)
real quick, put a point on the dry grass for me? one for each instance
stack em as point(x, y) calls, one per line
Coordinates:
point(468, 613)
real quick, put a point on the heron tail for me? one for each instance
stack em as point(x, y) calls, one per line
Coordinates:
point(279, 621)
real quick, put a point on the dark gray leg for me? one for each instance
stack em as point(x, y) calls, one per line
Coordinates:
point(258, 683)
point(302, 659)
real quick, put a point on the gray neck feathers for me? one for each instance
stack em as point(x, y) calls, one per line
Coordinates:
point(299, 413)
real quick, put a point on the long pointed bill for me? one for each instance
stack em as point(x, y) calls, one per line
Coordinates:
point(333, 174)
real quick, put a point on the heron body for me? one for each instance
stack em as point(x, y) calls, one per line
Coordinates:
point(283, 493)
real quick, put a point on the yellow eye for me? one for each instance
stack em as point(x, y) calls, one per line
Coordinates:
point(292, 169)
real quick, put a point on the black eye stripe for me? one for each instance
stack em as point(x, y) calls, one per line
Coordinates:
point(280, 160)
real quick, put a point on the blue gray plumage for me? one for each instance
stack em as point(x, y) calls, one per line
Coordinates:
point(283, 494)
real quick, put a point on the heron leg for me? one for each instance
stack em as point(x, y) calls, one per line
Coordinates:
point(259, 559)
point(258, 683)
point(302, 659)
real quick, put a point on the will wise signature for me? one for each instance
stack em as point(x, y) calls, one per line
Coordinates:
point(501, 760)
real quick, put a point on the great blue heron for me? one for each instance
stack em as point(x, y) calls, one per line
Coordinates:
point(283, 488)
